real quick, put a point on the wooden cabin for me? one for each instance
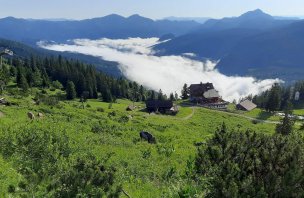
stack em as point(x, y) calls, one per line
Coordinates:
point(246, 105)
point(204, 93)
point(162, 106)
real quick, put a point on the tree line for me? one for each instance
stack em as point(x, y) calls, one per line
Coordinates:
point(78, 79)
point(279, 97)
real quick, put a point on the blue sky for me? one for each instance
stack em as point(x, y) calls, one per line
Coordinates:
point(80, 9)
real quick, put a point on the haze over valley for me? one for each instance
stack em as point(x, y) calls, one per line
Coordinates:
point(150, 99)
point(246, 46)
point(138, 63)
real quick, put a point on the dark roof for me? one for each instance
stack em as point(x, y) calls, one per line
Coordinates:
point(200, 89)
point(159, 104)
point(248, 105)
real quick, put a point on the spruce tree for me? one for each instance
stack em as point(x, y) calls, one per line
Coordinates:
point(185, 92)
point(160, 95)
point(274, 98)
point(23, 83)
point(172, 98)
point(152, 95)
point(107, 96)
point(287, 123)
point(70, 91)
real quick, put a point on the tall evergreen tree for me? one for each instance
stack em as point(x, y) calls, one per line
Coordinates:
point(274, 98)
point(23, 83)
point(287, 123)
point(107, 96)
point(70, 91)
point(185, 92)
point(172, 98)
point(152, 95)
point(160, 95)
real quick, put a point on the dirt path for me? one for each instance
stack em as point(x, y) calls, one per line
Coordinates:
point(189, 116)
point(229, 113)
point(233, 114)
point(251, 118)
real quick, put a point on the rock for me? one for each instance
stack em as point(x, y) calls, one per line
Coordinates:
point(31, 116)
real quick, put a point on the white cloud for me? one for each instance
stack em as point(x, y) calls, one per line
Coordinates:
point(168, 73)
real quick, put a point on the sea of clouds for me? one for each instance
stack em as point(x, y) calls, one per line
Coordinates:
point(169, 73)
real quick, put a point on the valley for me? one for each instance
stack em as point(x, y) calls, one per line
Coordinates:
point(105, 105)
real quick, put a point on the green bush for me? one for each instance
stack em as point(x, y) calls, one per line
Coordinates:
point(248, 164)
point(123, 119)
point(100, 109)
point(87, 177)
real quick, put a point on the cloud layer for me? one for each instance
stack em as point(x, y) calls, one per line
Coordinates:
point(168, 73)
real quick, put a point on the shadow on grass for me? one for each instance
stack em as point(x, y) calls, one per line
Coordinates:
point(264, 115)
point(187, 104)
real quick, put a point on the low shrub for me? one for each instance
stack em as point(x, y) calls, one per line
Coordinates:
point(100, 109)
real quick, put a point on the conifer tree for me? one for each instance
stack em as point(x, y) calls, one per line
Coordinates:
point(172, 98)
point(185, 92)
point(160, 95)
point(287, 123)
point(23, 83)
point(152, 95)
point(274, 98)
point(107, 96)
point(70, 91)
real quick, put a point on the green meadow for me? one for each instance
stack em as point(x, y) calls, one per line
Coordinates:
point(108, 131)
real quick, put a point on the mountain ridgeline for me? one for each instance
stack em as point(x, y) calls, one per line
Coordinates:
point(111, 26)
point(254, 43)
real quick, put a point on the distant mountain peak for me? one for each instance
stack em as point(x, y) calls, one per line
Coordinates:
point(113, 16)
point(258, 13)
point(10, 18)
point(137, 17)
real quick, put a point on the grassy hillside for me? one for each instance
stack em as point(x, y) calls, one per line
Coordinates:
point(143, 170)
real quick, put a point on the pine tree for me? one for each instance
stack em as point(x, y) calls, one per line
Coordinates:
point(287, 123)
point(23, 83)
point(152, 95)
point(160, 95)
point(37, 80)
point(172, 98)
point(274, 98)
point(176, 96)
point(107, 96)
point(185, 92)
point(70, 91)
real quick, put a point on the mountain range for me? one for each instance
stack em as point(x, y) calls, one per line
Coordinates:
point(111, 26)
point(254, 43)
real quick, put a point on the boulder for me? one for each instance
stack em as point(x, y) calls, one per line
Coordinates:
point(31, 116)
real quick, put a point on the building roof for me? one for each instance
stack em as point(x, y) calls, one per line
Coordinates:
point(159, 104)
point(248, 105)
point(212, 93)
point(200, 89)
